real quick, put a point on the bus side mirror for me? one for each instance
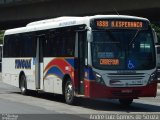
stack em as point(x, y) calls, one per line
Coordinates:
point(155, 37)
point(86, 62)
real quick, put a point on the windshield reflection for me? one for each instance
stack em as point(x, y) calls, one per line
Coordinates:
point(123, 49)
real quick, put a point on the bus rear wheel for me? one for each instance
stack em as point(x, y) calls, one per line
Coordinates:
point(125, 102)
point(69, 93)
point(23, 85)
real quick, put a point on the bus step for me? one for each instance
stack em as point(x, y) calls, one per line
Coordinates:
point(80, 95)
point(40, 91)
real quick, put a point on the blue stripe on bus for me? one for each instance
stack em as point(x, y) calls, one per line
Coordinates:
point(70, 61)
point(55, 71)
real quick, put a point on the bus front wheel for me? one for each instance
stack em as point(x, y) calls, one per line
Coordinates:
point(69, 93)
point(125, 102)
point(23, 85)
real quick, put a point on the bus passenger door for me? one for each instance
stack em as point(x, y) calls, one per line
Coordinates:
point(39, 62)
point(81, 59)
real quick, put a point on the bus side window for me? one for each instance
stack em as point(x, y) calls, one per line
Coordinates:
point(61, 43)
point(70, 44)
point(49, 45)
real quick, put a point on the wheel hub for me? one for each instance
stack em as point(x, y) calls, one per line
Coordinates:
point(69, 92)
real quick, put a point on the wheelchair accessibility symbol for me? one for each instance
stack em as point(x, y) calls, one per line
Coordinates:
point(131, 65)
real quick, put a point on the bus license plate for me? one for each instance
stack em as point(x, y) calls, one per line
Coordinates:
point(137, 82)
point(126, 91)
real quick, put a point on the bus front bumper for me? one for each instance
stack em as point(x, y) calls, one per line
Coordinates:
point(96, 90)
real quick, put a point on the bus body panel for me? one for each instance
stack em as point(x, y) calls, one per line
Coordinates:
point(16, 66)
point(158, 61)
point(131, 89)
point(134, 78)
point(96, 90)
point(52, 82)
point(54, 71)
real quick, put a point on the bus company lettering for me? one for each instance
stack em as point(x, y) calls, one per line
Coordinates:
point(23, 64)
point(67, 23)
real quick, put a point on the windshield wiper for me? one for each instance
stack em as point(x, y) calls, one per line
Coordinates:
point(133, 39)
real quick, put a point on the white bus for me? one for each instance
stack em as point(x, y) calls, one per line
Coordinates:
point(102, 56)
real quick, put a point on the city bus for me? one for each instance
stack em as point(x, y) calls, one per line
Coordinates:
point(101, 56)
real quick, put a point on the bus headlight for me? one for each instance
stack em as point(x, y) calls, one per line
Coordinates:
point(152, 77)
point(99, 79)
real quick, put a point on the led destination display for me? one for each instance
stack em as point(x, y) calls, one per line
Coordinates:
point(120, 24)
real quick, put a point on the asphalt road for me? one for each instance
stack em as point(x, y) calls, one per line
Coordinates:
point(48, 106)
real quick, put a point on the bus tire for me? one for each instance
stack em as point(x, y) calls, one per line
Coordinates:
point(125, 102)
point(69, 93)
point(23, 84)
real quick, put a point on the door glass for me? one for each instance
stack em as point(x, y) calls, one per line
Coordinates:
point(81, 58)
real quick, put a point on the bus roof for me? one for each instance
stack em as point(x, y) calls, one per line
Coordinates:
point(64, 22)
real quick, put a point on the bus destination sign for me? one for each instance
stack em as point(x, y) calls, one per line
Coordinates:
point(120, 24)
point(109, 62)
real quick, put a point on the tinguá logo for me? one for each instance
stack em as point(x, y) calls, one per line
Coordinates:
point(23, 64)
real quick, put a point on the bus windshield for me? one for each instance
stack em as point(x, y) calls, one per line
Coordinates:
point(123, 49)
